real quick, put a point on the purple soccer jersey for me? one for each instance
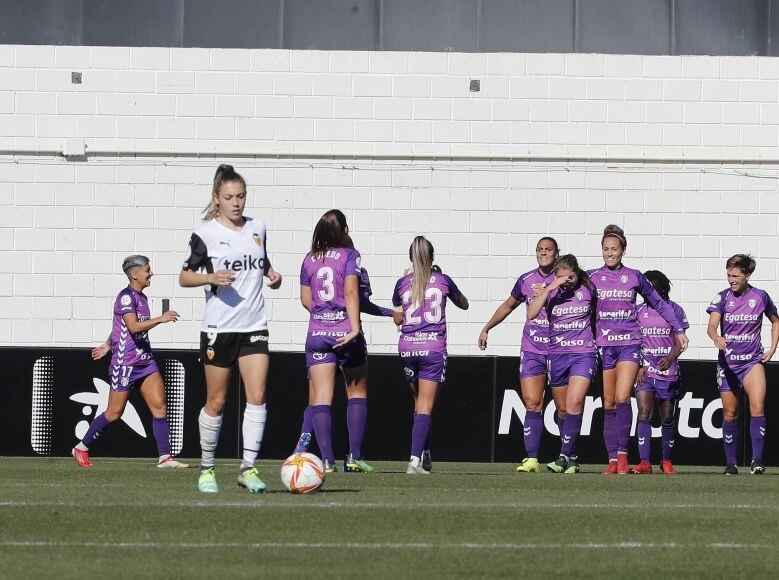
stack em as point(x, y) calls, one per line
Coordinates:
point(740, 324)
point(658, 340)
point(326, 276)
point(535, 334)
point(130, 349)
point(570, 314)
point(424, 326)
point(617, 319)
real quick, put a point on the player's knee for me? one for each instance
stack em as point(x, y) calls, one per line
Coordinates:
point(533, 405)
point(562, 414)
point(111, 415)
point(730, 414)
point(644, 415)
point(158, 412)
point(215, 405)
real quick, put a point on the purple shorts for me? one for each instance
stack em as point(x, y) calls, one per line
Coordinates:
point(663, 390)
point(610, 356)
point(427, 365)
point(732, 378)
point(533, 364)
point(564, 366)
point(321, 350)
point(125, 377)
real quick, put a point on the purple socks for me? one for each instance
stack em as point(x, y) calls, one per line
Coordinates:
point(356, 419)
point(669, 432)
point(532, 430)
point(308, 420)
point(757, 434)
point(419, 433)
point(161, 431)
point(644, 436)
point(610, 432)
point(95, 429)
point(730, 439)
point(570, 433)
point(624, 419)
point(322, 420)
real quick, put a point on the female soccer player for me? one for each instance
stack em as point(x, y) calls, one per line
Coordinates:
point(420, 310)
point(228, 255)
point(356, 393)
point(737, 313)
point(658, 378)
point(329, 290)
point(618, 338)
point(569, 302)
point(132, 363)
point(534, 349)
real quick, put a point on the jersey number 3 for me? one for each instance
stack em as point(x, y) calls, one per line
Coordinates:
point(325, 276)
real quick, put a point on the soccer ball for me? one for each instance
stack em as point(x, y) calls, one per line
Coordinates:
point(303, 473)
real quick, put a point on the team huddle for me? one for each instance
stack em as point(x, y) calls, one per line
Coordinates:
point(580, 324)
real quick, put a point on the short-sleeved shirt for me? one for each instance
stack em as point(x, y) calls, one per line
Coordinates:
point(617, 317)
point(129, 349)
point(326, 274)
point(742, 318)
point(424, 326)
point(570, 314)
point(240, 306)
point(535, 334)
point(658, 340)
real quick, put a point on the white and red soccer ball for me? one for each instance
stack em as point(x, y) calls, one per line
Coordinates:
point(303, 473)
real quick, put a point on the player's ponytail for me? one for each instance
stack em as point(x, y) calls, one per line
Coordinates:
point(421, 255)
point(223, 174)
point(331, 231)
point(660, 282)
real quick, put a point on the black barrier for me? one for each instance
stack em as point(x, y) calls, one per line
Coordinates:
point(50, 395)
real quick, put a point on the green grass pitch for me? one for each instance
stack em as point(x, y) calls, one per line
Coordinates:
point(127, 519)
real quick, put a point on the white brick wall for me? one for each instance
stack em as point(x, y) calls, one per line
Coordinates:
point(66, 225)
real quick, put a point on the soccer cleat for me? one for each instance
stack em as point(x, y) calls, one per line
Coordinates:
point(352, 465)
point(667, 467)
point(330, 467)
point(416, 470)
point(426, 460)
point(622, 464)
point(559, 465)
point(206, 481)
point(171, 463)
point(757, 467)
point(250, 479)
point(643, 467)
point(730, 470)
point(82, 458)
point(612, 468)
point(573, 466)
point(529, 465)
point(303, 443)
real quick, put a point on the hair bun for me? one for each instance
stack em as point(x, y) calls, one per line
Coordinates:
point(225, 168)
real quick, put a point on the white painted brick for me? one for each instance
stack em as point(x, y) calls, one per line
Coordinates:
point(626, 112)
point(269, 60)
point(36, 103)
point(71, 57)
point(567, 88)
point(702, 202)
point(53, 217)
point(75, 240)
point(605, 134)
point(715, 90)
point(309, 61)
point(175, 81)
point(195, 105)
point(95, 126)
point(30, 239)
point(262, 129)
point(703, 113)
point(52, 263)
point(643, 90)
point(545, 64)
point(758, 136)
point(332, 85)
point(623, 65)
point(372, 86)
point(664, 112)
point(743, 202)
point(548, 111)
point(294, 129)
point(21, 80)
point(107, 104)
point(334, 130)
point(35, 56)
point(72, 331)
point(681, 135)
point(273, 107)
point(700, 67)
point(292, 84)
point(413, 131)
point(347, 61)
point(372, 131)
point(136, 127)
point(110, 57)
point(584, 65)
point(6, 102)
point(469, 64)
point(210, 83)
point(190, 59)
point(682, 90)
point(741, 113)
point(528, 88)
point(763, 91)
point(229, 59)
point(175, 128)
point(149, 58)
point(26, 333)
point(392, 108)
point(604, 88)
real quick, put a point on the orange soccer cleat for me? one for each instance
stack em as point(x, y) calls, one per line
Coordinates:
point(612, 468)
point(622, 464)
point(667, 467)
point(643, 467)
point(82, 458)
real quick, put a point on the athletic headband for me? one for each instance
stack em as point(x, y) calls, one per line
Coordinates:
point(615, 235)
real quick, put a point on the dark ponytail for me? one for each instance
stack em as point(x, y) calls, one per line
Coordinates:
point(569, 262)
point(331, 231)
point(660, 282)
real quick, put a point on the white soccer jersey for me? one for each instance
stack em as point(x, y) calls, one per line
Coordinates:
point(239, 307)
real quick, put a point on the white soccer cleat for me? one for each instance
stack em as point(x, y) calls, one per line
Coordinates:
point(171, 463)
